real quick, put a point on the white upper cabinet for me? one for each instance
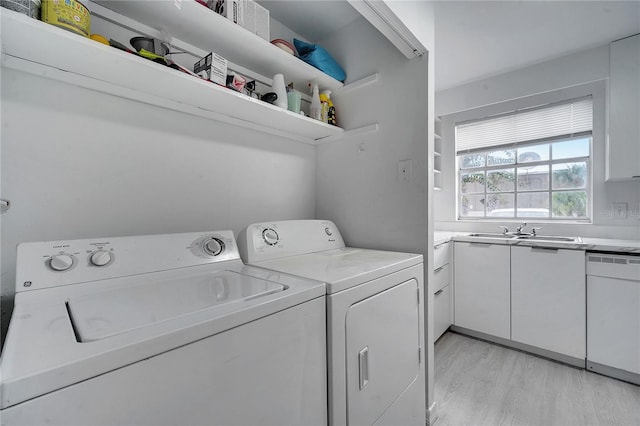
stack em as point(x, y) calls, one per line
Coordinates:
point(624, 110)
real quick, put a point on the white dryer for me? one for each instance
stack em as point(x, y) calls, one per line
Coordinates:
point(163, 330)
point(375, 317)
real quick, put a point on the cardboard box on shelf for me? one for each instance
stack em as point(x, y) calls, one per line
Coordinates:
point(230, 9)
point(249, 15)
point(262, 22)
point(246, 13)
point(214, 66)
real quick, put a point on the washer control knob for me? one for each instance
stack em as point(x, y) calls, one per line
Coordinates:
point(328, 231)
point(61, 262)
point(100, 258)
point(213, 246)
point(270, 236)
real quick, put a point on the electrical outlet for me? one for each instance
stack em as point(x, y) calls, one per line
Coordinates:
point(404, 171)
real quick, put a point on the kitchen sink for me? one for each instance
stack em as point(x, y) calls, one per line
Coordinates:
point(526, 237)
point(491, 235)
point(548, 238)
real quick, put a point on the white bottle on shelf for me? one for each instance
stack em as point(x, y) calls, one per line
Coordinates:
point(280, 90)
point(316, 108)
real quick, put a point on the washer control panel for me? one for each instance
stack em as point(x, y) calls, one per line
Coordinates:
point(55, 263)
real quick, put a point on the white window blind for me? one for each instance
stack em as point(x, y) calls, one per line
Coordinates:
point(566, 119)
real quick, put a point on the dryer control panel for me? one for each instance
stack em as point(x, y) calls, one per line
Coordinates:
point(55, 263)
point(272, 240)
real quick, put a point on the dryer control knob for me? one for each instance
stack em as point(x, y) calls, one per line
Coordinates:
point(270, 236)
point(100, 258)
point(213, 247)
point(328, 231)
point(61, 262)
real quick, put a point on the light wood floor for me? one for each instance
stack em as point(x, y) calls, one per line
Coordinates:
point(479, 383)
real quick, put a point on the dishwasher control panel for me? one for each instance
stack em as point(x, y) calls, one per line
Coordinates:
point(626, 267)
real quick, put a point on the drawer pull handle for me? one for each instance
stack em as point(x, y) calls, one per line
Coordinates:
point(437, 293)
point(438, 269)
point(544, 249)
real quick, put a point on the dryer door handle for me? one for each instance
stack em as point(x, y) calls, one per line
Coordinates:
point(363, 367)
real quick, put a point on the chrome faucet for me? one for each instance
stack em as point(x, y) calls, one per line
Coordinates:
point(520, 228)
point(505, 230)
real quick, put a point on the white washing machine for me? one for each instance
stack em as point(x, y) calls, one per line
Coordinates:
point(161, 330)
point(375, 317)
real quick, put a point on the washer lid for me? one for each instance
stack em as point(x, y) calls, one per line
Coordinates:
point(115, 311)
point(345, 267)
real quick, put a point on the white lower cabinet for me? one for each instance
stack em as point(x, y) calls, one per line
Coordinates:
point(442, 297)
point(548, 299)
point(481, 288)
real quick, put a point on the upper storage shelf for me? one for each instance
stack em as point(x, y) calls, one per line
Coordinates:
point(29, 45)
point(193, 23)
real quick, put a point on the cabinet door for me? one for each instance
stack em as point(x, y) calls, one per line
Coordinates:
point(548, 299)
point(481, 290)
point(382, 351)
point(624, 109)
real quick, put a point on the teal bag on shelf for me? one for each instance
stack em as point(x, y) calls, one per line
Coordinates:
point(316, 56)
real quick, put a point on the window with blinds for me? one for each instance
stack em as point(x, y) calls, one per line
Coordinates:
point(533, 163)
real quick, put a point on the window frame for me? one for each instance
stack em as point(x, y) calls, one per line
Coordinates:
point(514, 144)
point(588, 186)
point(475, 102)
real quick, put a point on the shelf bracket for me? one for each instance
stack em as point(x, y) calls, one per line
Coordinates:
point(353, 132)
point(358, 84)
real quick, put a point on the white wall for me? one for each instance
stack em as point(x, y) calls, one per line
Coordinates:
point(357, 177)
point(419, 18)
point(569, 73)
point(357, 184)
point(78, 164)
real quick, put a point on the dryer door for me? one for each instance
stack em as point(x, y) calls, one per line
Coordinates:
point(382, 344)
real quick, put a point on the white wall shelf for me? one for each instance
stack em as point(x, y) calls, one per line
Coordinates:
point(29, 45)
point(437, 155)
point(199, 26)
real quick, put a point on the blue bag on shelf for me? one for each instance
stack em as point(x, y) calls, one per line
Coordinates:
point(316, 56)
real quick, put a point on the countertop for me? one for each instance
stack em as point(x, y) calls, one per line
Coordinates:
point(591, 244)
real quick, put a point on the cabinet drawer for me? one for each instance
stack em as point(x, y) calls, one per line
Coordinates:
point(441, 311)
point(440, 255)
point(441, 277)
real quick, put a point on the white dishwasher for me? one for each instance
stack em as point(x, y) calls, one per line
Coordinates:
point(613, 315)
